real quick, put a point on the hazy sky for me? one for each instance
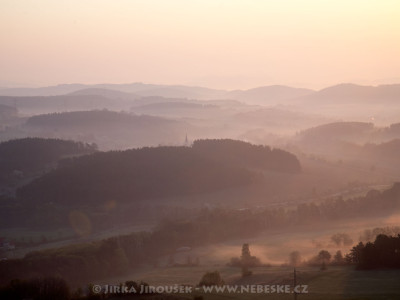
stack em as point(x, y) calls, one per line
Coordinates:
point(216, 43)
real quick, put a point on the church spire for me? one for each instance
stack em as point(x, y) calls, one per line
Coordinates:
point(186, 141)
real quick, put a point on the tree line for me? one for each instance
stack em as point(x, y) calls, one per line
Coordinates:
point(384, 252)
point(116, 255)
point(30, 155)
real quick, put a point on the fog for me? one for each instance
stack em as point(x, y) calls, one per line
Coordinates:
point(170, 182)
point(206, 144)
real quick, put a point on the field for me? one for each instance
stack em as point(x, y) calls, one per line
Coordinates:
point(339, 282)
point(334, 283)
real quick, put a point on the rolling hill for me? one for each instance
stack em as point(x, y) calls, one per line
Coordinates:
point(270, 95)
point(108, 129)
point(23, 159)
point(351, 93)
point(178, 91)
point(148, 173)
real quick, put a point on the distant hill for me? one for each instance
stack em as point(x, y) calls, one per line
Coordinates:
point(137, 175)
point(182, 92)
point(351, 102)
point(265, 95)
point(61, 89)
point(262, 95)
point(279, 119)
point(353, 141)
point(160, 99)
point(175, 105)
point(394, 129)
point(141, 89)
point(353, 132)
point(115, 94)
point(385, 151)
point(347, 102)
point(270, 95)
point(177, 109)
point(338, 139)
point(148, 100)
point(101, 119)
point(71, 102)
point(351, 93)
point(108, 129)
point(350, 131)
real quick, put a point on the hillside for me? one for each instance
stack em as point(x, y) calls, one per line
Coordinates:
point(108, 129)
point(343, 93)
point(359, 144)
point(351, 102)
point(72, 102)
point(109, 93)
point(244, 154)
point(385, 151)
point(352, 132)
point(138, 88)
point(24, 158)
point(140, 174)
point(276, 119)
point(179, 110)
point(343, 131)
point(269, 95)
point(95, 118)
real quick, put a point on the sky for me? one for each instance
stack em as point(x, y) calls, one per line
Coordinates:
point(229, 44)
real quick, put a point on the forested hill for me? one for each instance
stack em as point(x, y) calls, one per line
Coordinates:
point(146, 173)
point(23, 156)
point(110, 130)
point(94, 119)
point(247, 155)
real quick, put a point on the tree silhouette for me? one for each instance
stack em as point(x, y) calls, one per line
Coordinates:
point(324, 258)
point(338, 258)
point(245, 260)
